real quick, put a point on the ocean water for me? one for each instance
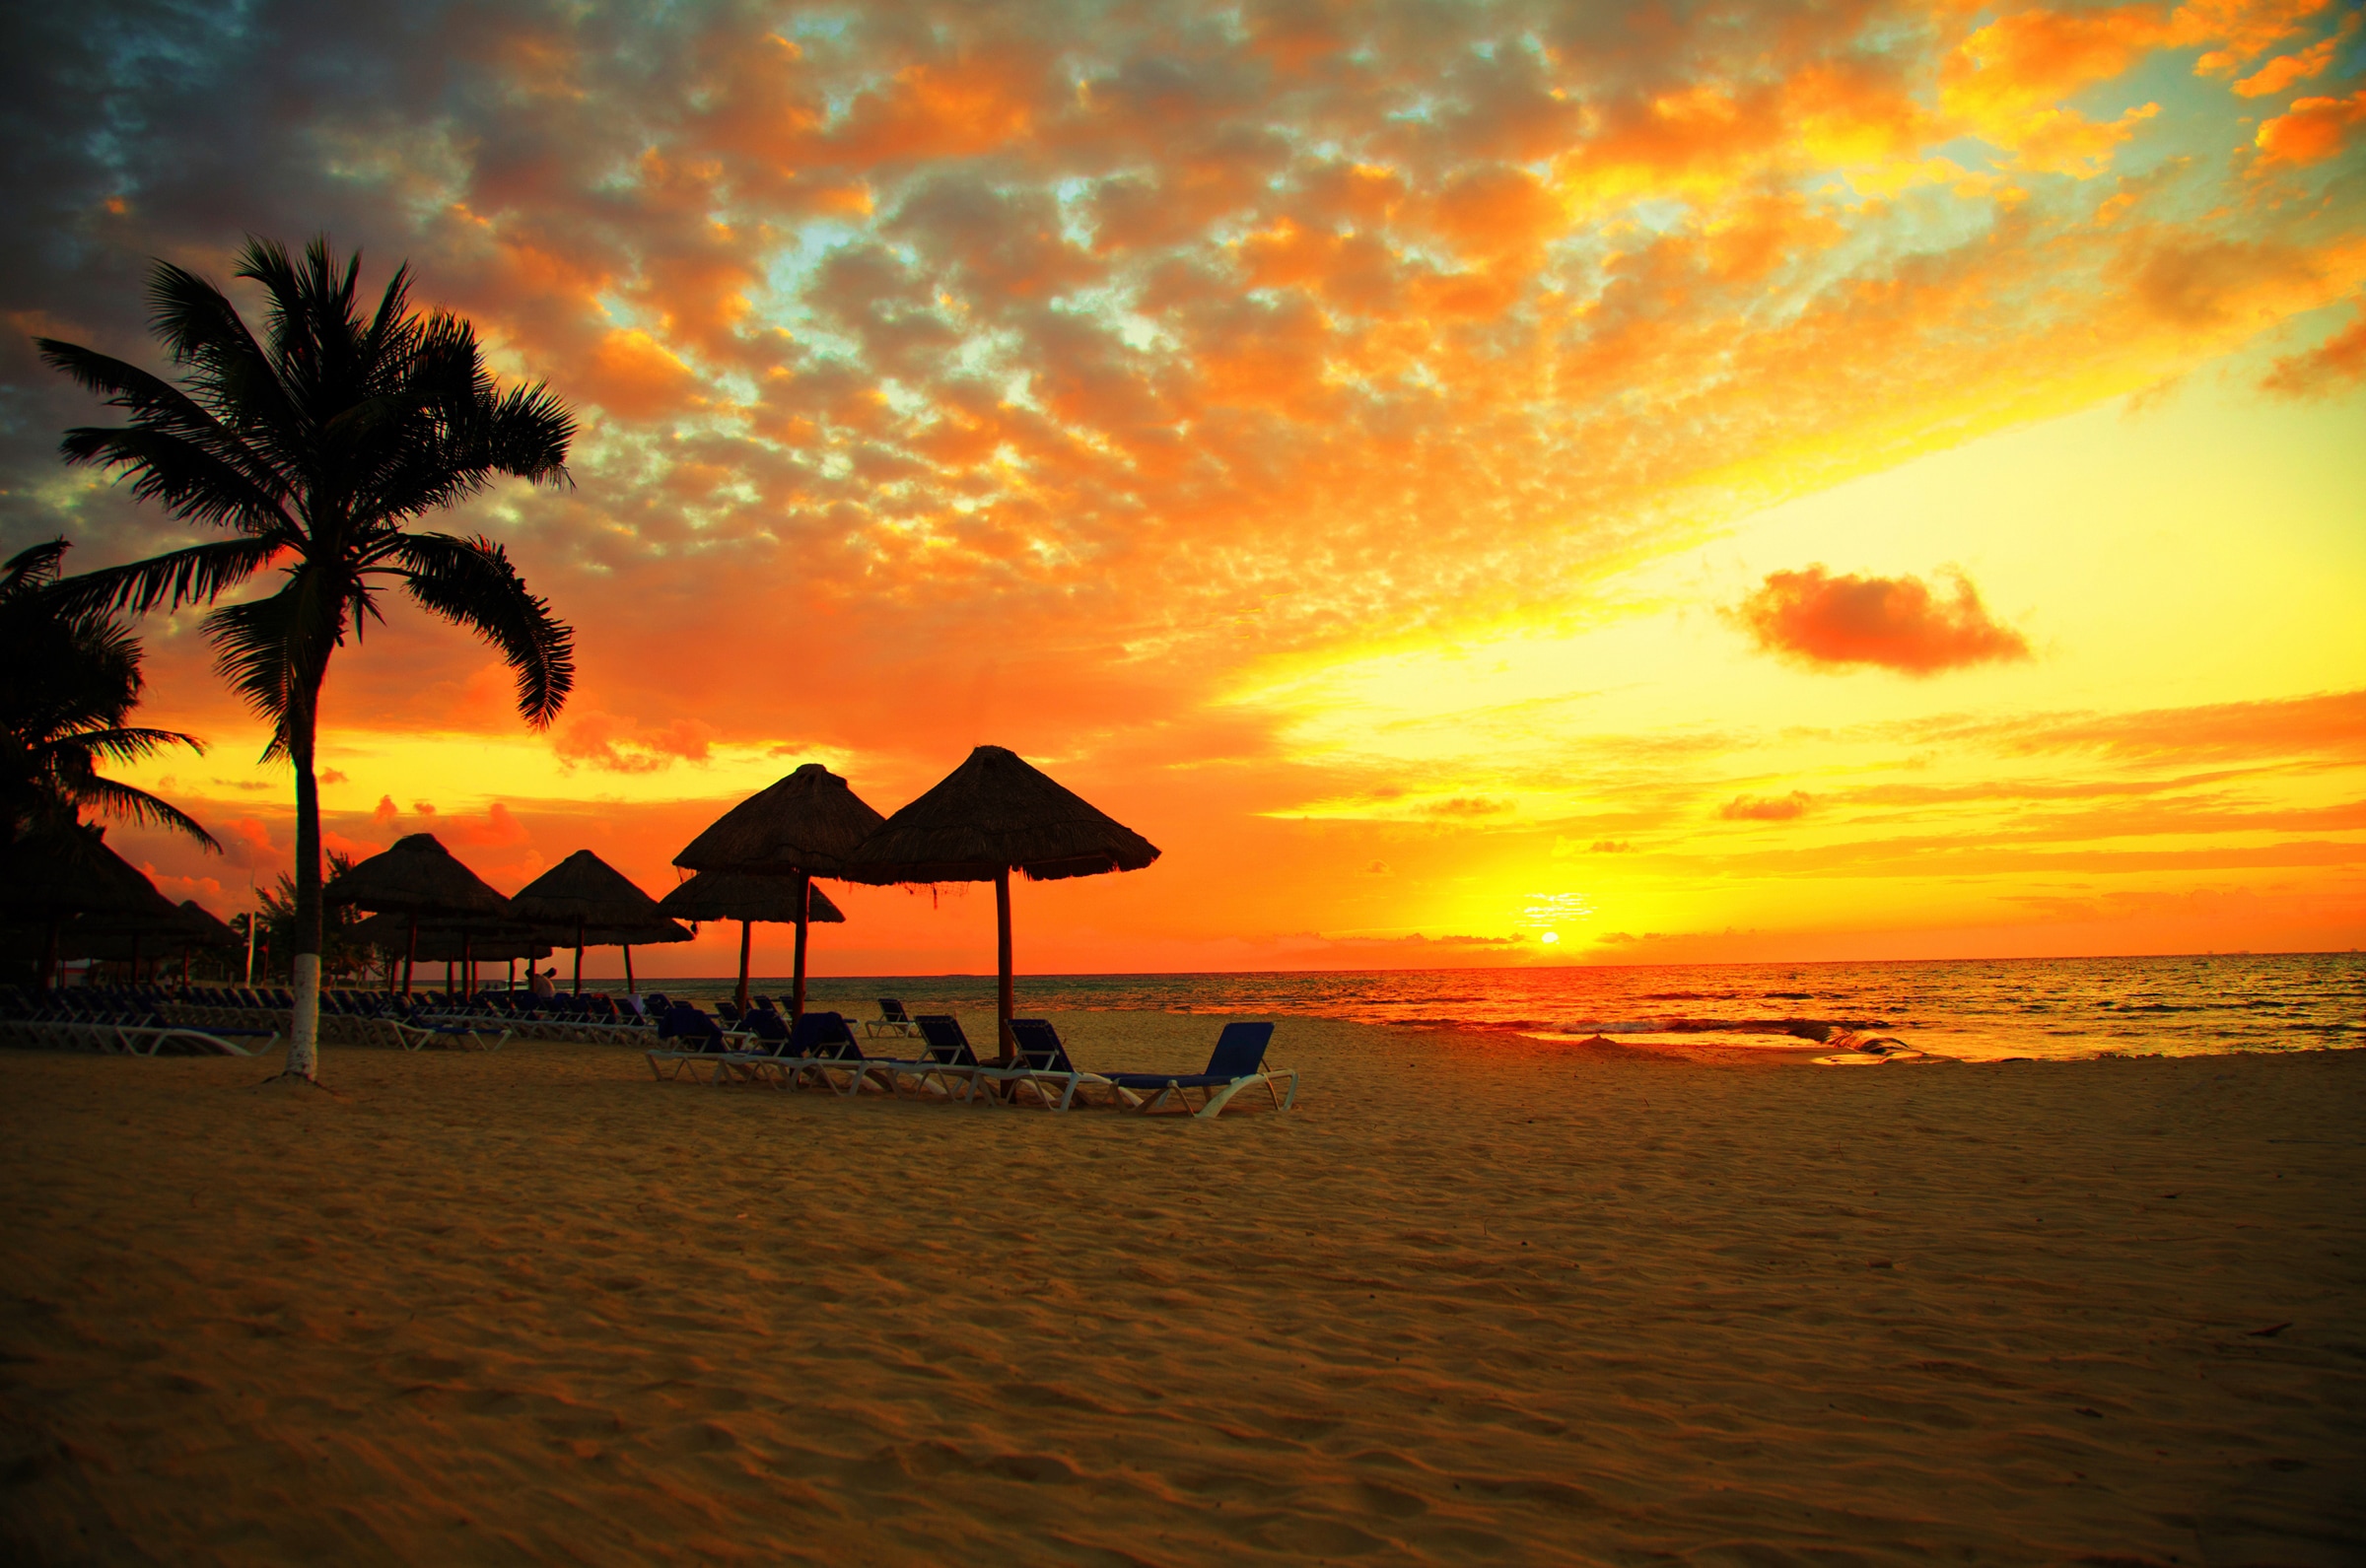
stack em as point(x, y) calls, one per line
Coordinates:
point(1984, 1009)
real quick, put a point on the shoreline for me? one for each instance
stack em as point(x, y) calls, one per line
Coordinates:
point(1464, 1300)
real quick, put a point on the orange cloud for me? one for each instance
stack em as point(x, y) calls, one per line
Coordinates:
point(1828, 622)
point(616, 745)
point(956, 109)
point(2286, 69)
point(2245, 27)
point(499, 830)
point(246, 844)
point(1767, 808)
point(635, 377)
point(2035, 58)
point(2311, 131)
point(2332, 367)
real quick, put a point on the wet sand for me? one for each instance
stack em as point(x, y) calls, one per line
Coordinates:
point(1472, 1299)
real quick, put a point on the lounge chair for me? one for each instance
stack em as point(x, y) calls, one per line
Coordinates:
point(1043, 1066)
point(1237, 1061)
point(449, 1033)
point(892, 1019)
point(830, 1049)
point(946, 1059)
point(687, 1040)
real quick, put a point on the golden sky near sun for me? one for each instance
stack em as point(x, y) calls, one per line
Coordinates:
point(1473, 484)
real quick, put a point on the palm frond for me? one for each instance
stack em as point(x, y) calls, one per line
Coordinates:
point(157, 406)
point(119, 800)
point(132, 743)
point(198, 575)
point(33, 567)
point(471, 582)
point(529, 435)
point(269, 649)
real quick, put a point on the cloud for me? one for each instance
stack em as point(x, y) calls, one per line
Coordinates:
point(2311, 131)
point(499, 829)
point(2327, 369)
point(1767, 808)
point(1466, 806)
point(608, 743)
point(1828, 622)
point(246, 844)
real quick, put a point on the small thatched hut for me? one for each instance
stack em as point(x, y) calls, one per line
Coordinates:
point(418, 879)
point(989, 817)
point(590, 900)
point(809, 824)
point(731, 896)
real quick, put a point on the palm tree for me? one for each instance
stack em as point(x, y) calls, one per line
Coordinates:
point(315, 450)
point(73, 678)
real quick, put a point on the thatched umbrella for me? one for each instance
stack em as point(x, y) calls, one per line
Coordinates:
point(733, 895)
point(160, 932)
point(586, 897)
point(418, 879)
point(198, 927)
point(49, 875)
point(442, 943)
point(467, 942)
point(989, 817)
point(808, 825)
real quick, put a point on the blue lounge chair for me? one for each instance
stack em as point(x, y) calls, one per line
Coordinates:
point(689, 1041)
point(892, 1019)
point(831, 1049)
point(946, 1059)
point(1043, 1066)
point(1237, 1061)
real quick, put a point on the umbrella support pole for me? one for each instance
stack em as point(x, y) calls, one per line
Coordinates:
point(745, 940)
point(804, 904)
point(1001, 942)
point(578, 958)
point(410, 957)
point(630, 988)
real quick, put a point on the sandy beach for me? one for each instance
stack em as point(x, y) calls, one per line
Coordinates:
point(1473, 1299)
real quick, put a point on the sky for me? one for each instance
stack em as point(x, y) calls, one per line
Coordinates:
point(1473, 483)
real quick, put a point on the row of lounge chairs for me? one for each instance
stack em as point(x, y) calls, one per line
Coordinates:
point(819, 1052)
point(116, 1020)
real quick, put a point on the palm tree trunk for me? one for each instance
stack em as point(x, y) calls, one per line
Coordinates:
point(303, 1028)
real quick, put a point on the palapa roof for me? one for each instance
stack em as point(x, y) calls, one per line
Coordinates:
point(652, 932)
point(439, 942)
point(153, 936)
point(202, 929)
point(809, 821)
point(55, 873)
point(417, 876)
point(584, 888)
point(737, 895)
point(995, 812)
